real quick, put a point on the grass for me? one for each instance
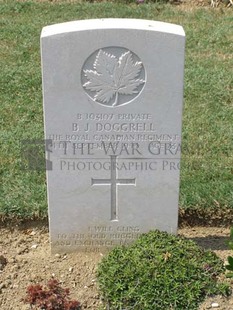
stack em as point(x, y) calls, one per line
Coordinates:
point(206, 174)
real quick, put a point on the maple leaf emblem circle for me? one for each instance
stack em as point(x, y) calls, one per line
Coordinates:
point(113, 78)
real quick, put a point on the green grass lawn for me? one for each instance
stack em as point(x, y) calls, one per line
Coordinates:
point(207, 163)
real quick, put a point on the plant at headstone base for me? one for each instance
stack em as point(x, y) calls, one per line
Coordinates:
point(230, 258)
point(53, 298)
point(159, 271)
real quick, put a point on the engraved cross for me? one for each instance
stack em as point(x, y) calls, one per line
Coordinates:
point(113, 182)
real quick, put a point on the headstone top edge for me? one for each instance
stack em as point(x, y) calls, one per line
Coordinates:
point(112, 23)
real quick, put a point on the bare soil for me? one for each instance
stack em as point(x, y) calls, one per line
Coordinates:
point(29, 261)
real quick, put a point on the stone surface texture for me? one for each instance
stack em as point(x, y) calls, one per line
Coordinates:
point(112, 91)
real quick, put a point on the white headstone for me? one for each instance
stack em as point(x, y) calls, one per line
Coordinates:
point(113, 91)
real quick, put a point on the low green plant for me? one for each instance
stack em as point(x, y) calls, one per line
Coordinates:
point(53, 298)
point(230, 258)
point(159, 271)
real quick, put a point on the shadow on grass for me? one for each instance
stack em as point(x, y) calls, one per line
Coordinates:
point(25, 224)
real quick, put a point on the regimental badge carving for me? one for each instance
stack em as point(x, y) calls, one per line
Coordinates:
point(113, 76)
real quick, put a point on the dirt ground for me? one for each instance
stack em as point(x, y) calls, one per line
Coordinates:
point(29, 261)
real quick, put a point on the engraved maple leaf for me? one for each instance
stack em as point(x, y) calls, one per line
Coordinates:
point(113, 76)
